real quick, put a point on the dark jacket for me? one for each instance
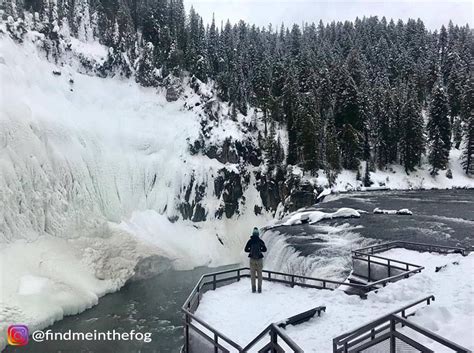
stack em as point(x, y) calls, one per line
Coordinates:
point(255, 246)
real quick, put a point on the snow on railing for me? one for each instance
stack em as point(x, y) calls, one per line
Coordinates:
point(401, 269)
point(215, 338)
point(384, 330)
point(370, 267)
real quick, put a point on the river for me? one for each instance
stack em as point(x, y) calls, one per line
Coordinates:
point(153, 305)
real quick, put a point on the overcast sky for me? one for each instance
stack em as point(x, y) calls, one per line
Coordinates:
point(434, 13)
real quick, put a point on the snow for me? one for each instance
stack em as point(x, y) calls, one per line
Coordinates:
point(91, 174)
point(91, 50)
point(317, 216)
point(44, 280)
point(403, 211)
point(191, 244)
point(394, 177)
point(450, 315)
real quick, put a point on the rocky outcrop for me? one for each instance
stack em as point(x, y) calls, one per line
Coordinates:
point(287, 189)
point(276, 188)
point(229, 186)
point(191, 208)
point(172, 94)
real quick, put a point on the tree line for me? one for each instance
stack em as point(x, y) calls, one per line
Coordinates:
point(369, 91)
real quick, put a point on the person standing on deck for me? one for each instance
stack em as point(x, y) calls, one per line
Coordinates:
point(255, 246)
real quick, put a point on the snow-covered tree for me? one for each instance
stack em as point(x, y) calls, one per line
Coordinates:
point(412, 139)
point(146, 66)
point(467, 115)
point(439, 129)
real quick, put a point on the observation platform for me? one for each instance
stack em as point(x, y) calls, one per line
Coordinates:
point(394, 282)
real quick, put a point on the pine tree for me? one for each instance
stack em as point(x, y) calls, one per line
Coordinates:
point(146, 66)
point(213, 48)
point(271, 148)
point(350, 142)
point(467, 115)
point(412, 139)
point(456, 80)
point(332, 151)
point(457, 132)
point(290, 104)
point(439, 129)
point(309, 120)
point(346, 92)
point(82, 21)
point(468, 152)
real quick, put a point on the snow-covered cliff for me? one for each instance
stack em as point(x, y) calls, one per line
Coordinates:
point(93, 173)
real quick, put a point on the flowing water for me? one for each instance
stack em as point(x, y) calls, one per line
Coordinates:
point(443, 217)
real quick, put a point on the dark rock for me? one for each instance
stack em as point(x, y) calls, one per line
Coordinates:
point(218, 185)
point(227, 153)
point(228, 185)
point(304, 196)
point(172, 94)
point(199, 214)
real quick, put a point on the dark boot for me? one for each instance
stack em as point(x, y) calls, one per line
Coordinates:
point(253, 290)
point(260, 290)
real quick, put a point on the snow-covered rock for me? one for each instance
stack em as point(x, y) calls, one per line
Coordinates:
point(312, 217)
point(403, 211)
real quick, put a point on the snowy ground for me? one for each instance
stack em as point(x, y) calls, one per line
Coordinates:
point(241, 315)
point(395, 178)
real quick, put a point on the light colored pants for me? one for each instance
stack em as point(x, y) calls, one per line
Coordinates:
point(256, 266)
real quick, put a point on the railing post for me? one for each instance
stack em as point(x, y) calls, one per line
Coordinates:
point(214, 282)
point(393, 346)
point(216, 349)
point(389, 272)
point(274, 340)
point(292, 281)
point(238, 275)
point(186, 333)
point(368, 268)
